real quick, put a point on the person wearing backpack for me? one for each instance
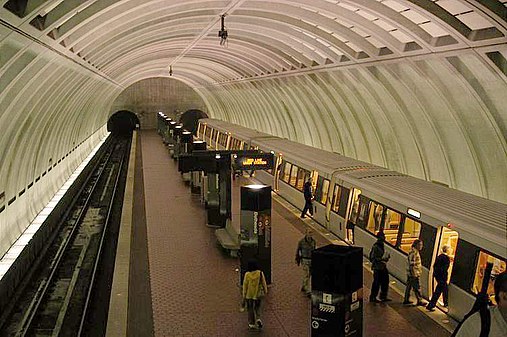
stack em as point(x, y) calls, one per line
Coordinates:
point(440, 273)
point(490, 322)
point(254, 289)
point(378, 259)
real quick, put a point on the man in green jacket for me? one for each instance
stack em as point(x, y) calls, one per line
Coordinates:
point(304, 256)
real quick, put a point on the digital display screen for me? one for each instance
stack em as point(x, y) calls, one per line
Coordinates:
point(261, 161)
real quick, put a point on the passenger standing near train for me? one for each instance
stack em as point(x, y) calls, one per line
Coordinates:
point(308, 194)
point(414, 270)
point(440, 273)
point(494, 323)
point(304, 256)
point(254, 289)
point(378, 259)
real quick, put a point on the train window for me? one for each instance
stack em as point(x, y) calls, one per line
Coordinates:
point(391, 225)
point(464, 263)
point(362, 214)
point(428, 235)
point(293, 175)
point(355, 205)
point(375, 218)
point(344, 199)
point(498, 268)
point(318, 188)
point(335, 203)
point(411, 231)
point(281, 169)
point(448, 237)
point(286, 171)
point(325, 191)
point(302, 176)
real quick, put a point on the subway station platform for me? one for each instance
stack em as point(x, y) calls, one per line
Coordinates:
point(182, 284)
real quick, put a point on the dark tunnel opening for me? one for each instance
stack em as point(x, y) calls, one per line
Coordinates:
point(122, 123)
point(190, 119)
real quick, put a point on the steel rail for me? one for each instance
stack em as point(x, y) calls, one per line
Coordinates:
point(84, 314)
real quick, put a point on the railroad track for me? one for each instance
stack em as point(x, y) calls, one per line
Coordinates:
point(57, 300)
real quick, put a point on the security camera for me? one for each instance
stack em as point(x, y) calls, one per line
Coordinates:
point(222, 33)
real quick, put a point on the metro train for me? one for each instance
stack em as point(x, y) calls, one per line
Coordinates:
point(354, 200)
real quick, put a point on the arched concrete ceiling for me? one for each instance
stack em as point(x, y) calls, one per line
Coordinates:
point(415, 85)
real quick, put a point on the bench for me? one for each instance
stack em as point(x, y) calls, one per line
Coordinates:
point(228, 238)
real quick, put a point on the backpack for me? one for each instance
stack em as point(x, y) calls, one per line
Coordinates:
point(370, 256)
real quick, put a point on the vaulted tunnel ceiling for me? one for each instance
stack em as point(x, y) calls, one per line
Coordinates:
point(414, 85)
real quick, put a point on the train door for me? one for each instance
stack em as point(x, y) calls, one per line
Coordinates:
point(215, 139)
point(331, 200)
point(447, 238)
point(276, 172)
point(228, 142)
point(352, 214)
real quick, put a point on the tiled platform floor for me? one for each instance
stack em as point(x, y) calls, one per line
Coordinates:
point(194, 285)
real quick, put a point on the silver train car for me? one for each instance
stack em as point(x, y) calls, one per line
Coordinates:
point(355, 200)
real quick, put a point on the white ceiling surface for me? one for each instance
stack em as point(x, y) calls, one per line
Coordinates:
point(404, 84)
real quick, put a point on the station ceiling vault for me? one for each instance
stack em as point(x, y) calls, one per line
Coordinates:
point(418, 86)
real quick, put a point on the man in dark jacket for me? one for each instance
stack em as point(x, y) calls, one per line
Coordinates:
point(440, 273)
point(378, 259)
point(308, 194)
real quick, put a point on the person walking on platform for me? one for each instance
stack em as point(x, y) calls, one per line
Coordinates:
point(254, 289)
point(304, 256)
point(308, 194)
point(414, 270)
point(493, 321)
point(378, 258)
point(440, 273)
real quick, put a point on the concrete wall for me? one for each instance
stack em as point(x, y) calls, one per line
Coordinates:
point(145, 98)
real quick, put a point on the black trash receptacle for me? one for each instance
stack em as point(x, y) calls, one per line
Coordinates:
point(337, 291)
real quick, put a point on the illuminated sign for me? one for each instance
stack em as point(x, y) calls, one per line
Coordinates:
point(254, 161)
point(261, 161)
point(414, 213)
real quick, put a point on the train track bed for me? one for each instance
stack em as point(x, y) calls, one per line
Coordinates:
point(69, 278)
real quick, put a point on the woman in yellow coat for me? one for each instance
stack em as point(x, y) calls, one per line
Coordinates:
point(254, 289)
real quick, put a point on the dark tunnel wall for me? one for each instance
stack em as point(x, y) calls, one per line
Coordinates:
point(190, 118)
point(122, 123)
